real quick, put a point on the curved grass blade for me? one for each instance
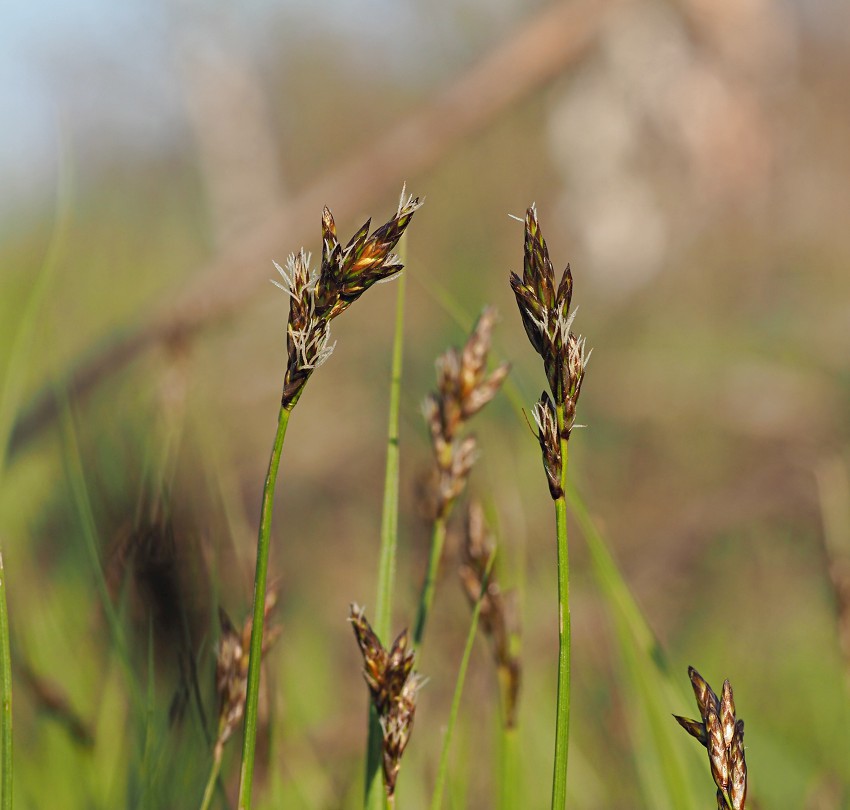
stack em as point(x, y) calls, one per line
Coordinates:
point(442, 772)
point(650, 683)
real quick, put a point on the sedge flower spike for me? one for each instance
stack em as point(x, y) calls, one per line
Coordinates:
point(393, 686)
point(722, 734)
point(546, 316)
point(317, 296)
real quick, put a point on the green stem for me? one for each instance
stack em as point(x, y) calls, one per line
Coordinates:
point(6, 696)
point(442, 772)
point(209, 790)
point(389, 517)
point(375, 795)
point(562, 720)
point(508, 770)
point(438, 539)
point(249, 742)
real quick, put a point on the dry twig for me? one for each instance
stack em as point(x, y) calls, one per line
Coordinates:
point(538, 52)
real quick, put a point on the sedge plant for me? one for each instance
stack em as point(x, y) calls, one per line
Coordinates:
point(316, 297)
point(547, 319)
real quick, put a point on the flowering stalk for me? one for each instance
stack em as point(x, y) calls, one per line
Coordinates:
point(316, 297)
point(547, 319)
point(464, 387)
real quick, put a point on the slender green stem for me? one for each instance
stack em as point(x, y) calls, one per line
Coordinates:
point(442, 772)
point(508, 798)
point(389, 517)
point(6, 696)
point(438, 539)
point(375, 795)
point(562, 720)
point(209, 790)
point(249, 742)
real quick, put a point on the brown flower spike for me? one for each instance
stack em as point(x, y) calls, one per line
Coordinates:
point(231, 671)
point(392, 687)
point(723, 737)
point(317, 297)
point(547, 319)
point(463, 388)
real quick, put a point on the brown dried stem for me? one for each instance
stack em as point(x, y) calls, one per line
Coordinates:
point(539, 51)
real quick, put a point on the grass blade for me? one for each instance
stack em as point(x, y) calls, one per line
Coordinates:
point(375, 798)
point(17, 365)
point(442, 772)
point(6, 698)
point(79, 492)
point(667, 770)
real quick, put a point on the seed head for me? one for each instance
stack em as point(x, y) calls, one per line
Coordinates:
point(463, 388)
point(231, 670)
point(318, 296)
point(392, 687)
point(546, 420)
point(723, 737)
point(347, 272)
point(546, 317)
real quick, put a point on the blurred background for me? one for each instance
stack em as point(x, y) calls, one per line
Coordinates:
point(689, 159)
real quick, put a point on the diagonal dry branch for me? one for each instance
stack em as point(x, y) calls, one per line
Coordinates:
point(551, 41)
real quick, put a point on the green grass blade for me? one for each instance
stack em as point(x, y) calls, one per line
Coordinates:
point(508, 771)
point(79, 492)
point(14, 379)
point(668, 767)
point(442, 772)
point(6, 698)
point(375, 796)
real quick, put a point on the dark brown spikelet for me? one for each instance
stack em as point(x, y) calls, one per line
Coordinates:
point(546, 317)
point(392, 687)
point(463, 388)
point(308, 343)
point(317, 297)
point(722, 734)
point(546, 420)
point(347, 272)
point(497, 614)
point(231, 670)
